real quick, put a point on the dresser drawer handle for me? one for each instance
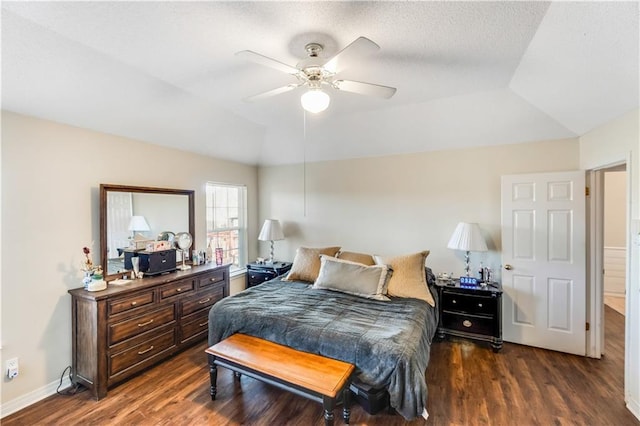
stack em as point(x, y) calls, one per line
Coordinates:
point(179, 289)
point(454, 301)
point(146, 323)
point(146, 350)
point(202, 302)
point(214, 279)
point(479, 305)
point(202, 324)
point(134, 303)
point(467, 323)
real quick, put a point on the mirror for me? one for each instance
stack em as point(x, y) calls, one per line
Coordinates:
point(132, 215)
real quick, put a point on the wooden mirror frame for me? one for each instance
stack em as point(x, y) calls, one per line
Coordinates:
point(104, 188)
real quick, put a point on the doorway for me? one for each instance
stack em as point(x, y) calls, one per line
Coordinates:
point(616, 220)
point(615, 241)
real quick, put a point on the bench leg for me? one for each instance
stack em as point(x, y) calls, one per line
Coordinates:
point(237, 375)
point(213, 376)
point(328, 404)
point(346, 404)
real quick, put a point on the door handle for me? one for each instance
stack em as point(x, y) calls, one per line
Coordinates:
point(508, 267)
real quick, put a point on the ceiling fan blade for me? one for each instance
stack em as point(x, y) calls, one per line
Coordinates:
point(273, 92)
point(357, 50)
point(365, 88)
point(266, 61)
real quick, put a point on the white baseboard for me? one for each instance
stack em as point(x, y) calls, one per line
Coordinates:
point(32, 397)
point(634, 407)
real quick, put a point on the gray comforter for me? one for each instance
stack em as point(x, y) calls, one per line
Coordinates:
point(388, 342)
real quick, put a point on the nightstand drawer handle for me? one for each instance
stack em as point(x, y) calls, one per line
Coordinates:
point(202, 302)
point(145, 323)
point(214, 279)
point(454, 301)
point(467, 323)
point(146, 350)
point(178, 289)
point(134, 303)
point(202, 324)
point(479, 305)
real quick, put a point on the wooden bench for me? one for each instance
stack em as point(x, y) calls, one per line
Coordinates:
point(313, 376)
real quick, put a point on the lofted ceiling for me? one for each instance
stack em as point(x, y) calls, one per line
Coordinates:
point(467, 73)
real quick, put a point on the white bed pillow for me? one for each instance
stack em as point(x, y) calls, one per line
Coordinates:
point(353, 278)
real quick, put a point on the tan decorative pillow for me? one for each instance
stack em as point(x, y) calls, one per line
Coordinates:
point(306, 263)
point(353, 278)
point(409, 277)
point(365, 259)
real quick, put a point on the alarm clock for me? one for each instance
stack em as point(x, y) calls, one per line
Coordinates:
point(468, 281)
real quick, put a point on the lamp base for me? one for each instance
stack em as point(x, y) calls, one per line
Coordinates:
point(466, 260)
point(270, 260)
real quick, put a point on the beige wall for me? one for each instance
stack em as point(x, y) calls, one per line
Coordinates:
point(615, 209)
point(615, 142)
point(404, 203)
point(50, 186)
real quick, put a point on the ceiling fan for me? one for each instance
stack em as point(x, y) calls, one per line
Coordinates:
point(316, 74)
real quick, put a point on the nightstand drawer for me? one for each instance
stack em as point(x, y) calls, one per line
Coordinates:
point(258, 277)
point(468, 323)
point(469, 303)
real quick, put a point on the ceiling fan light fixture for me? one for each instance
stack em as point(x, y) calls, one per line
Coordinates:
point(315, 100)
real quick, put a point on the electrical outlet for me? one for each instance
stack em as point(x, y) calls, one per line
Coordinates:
point(12, 368)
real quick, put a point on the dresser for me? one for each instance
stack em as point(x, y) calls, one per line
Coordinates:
point(124, 329)
point(257, 273)
point(471, 311)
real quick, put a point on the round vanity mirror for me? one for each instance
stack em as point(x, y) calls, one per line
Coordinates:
point(183, 241)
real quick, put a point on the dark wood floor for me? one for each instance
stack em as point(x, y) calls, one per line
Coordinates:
point(468, 385)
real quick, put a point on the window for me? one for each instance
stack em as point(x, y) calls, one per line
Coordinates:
point(227, 221)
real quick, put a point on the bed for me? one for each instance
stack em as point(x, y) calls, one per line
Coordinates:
point(388, 341)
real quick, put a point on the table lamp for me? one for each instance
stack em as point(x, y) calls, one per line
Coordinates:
point(138, 223)
point(467, 237)
point(271, 231)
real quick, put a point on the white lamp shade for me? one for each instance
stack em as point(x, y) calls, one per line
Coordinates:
point(271, 231)
point(467, 237)
point(138, 223)
point(315, 100)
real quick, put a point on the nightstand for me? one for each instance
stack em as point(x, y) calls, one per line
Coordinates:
point(473, 312)
point(257, 273)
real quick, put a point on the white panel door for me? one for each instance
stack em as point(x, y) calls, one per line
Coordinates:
point(544, 258)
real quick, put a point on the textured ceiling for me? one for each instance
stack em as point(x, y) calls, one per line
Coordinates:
point(467, 73)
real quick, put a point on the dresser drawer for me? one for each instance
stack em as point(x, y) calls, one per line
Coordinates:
point(210, 279)
point(468, 323)
point(140, 353)
point(196, 326)
point(468, 303)
point(202, 302)
point(124, 304)
point(141, 323)
point(175, 289)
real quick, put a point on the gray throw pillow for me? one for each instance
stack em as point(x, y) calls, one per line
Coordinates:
point(353, 278)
